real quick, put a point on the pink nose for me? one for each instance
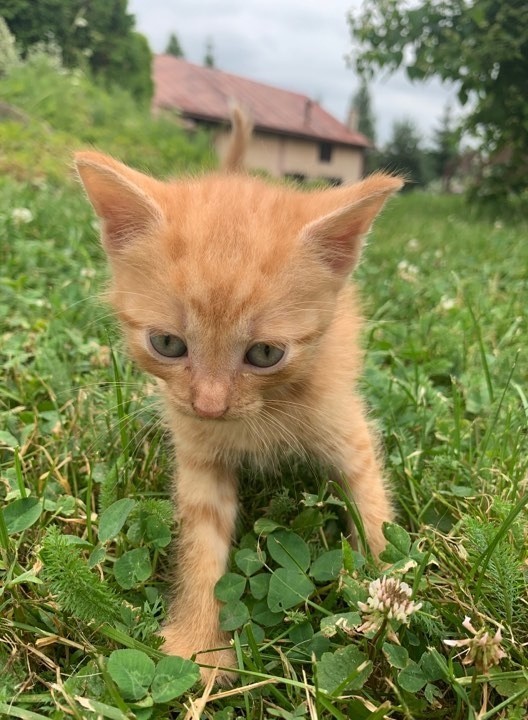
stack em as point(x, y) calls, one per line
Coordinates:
point(210, 412)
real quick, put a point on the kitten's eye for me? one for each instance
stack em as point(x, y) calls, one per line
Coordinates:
point(263, 355)
point(170, 346)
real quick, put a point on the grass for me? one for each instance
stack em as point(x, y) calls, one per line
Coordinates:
point(63, 110)
point(86, 520)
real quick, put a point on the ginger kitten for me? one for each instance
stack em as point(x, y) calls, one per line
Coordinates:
point(235, 294)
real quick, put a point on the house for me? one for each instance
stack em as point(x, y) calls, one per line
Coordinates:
point(293, 135)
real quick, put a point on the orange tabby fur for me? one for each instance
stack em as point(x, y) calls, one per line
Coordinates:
point(223, 262)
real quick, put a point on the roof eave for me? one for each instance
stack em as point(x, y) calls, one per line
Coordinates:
point(203, 117)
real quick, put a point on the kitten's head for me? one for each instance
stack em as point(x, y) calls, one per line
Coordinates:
point(225, 285)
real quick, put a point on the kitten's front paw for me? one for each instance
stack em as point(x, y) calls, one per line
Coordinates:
point(178, 643)
point(220, 661)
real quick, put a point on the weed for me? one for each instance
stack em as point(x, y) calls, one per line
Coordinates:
point(319, 631)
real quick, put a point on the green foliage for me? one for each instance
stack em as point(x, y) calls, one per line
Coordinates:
point(8, 52)
point(482, 48)
point(505, 582)
point(362, 106)
point(403, 154)
point(446, 297)
point(343, 671)
point(131, 62)
point(79, 591)
point(174, 47)
point(65, 110)
point(113, 518)
point(445, 153)
point(21, 514)
point(134, 673)
point(99, 34)
point(209, 60)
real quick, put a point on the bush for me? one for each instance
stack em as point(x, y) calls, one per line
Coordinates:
point(8, 52)
point(67, 110)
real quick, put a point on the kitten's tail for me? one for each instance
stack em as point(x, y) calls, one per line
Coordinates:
point(241, 130)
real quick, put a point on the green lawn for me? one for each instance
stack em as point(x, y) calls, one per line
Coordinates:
point(86, 521)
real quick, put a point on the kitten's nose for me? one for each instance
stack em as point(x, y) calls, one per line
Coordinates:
point(210, 412)
point(210, 397)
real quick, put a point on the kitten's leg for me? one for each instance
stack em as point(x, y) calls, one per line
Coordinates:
point(206, 498)
point(360, 474)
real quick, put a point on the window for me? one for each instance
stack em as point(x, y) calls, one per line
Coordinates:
point(333, 181)
point(298, 178)
point(325, 152)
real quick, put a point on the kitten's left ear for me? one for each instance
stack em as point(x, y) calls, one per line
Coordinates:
point(338, 237)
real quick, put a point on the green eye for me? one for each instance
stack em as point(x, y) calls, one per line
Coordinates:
point(170, 346)
point(263, 355)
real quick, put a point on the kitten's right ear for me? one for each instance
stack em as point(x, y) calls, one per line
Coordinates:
point(120, 198)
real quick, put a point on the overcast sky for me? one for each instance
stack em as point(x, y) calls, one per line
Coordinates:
point(297, 45)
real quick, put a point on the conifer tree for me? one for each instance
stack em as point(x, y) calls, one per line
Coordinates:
point(362, 105)
point(209, 60)
point(174, 47)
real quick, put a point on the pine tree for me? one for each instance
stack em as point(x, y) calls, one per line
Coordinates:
point(404, 154)
point(362, 106)
point(209, 60)
point(361, 111)
point(446, 150)
point(174, 47)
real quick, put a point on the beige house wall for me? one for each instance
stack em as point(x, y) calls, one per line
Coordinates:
point(281, 155)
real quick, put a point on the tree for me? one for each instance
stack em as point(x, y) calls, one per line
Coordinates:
point(99, 33)
point(209, 60)
point(445, 152)
point(482, 47)
point(133, 60)
point(361, 109)
point(362, 106)
point(174, 47)
point(403, 153)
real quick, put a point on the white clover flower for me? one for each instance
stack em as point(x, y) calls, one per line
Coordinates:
point(389, 599)
point(407, 271)
point(413, 244)
point(21, 215)
point(447, 303)
point(87, 272)
point(80, 21)
point(482, 650)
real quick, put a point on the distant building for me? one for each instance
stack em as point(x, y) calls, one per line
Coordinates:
point(293, 136)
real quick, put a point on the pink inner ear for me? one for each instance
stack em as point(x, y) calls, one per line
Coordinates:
point(339, 240)
point(338, 236)
point(342, 250)
point(124, 207)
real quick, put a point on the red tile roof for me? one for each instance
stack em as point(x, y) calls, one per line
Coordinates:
point(206, 94)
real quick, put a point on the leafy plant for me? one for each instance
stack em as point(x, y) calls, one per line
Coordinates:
point(86, 518)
